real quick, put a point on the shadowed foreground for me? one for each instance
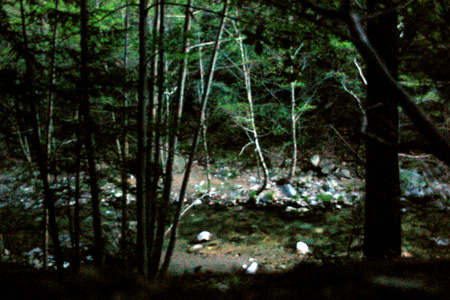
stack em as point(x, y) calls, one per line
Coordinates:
point(369, 280)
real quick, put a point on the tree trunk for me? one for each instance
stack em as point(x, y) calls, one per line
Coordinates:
point(140, 159)
point(294, 130)
point(2, 248)
point(77, 209)
point(45, 240)
point(153, 170)
point(52, 82)
point(49, 133)
point(174, 126)
point(198, 128)
point(123, 150)
point(204, 127)
point(382, 235)
point(156, 250)
point(254, 133)
point(37, 146)
point(87, 135)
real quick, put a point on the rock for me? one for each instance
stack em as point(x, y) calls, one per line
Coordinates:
point(302, 248)
point(326, 187)
point(195, 248)
point(315, 160)
point(305, 179)
point(415, 193)
point(290, 208)
point(197, 202)
point(252, 179)
point(440, 241)
point(251, 269)
point(301, 210)
point(264, 198)
point(327, 167)
point(345, 173)
point(313, 202)
point(223, 287)
point(288, 191)
point(254, 188)
point(333, 183)
point(204, 236)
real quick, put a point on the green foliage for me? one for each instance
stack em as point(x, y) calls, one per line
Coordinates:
point(325, 197)
point(252, 195)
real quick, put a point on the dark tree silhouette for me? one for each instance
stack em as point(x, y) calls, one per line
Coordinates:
point(140, 157)
point(40, 151)
point(382, 234)
point(87, 134)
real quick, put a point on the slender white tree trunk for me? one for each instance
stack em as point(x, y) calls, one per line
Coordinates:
point(253, 131)
point(294, 131)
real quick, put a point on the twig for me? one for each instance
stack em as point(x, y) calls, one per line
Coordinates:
point(422, 156)
point(243, 148)
point(360, 71)
point(187, 208)
point(345, 142)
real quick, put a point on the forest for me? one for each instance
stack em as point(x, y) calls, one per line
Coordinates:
point(173, 137)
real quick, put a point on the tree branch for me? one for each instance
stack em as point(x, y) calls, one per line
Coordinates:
point(439, 146)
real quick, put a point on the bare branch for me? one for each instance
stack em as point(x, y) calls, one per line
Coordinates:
point(361, 73)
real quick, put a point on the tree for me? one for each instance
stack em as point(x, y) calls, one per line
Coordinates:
point(40, 151)
point(124, 144)
point(199, 126)
point(141, 162)
point(383, 215)
point(175, 114)
point(382, 234)
point(251, 130)
point(87, 133)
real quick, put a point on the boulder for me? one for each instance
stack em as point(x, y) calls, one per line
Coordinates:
point(204, 236)
point(302, 248)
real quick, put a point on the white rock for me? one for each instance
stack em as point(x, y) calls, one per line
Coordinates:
point(300, 210)
point(333, 183)
point(197, 202)
point(254, 188)
point(288, 191)
point(290, 209)
point(440, 241)
point(252, 179)
point(252, 268)
point(195, 248)
point(302, 248)
point(315, 160)
point(223, 287)
point(204, 236)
